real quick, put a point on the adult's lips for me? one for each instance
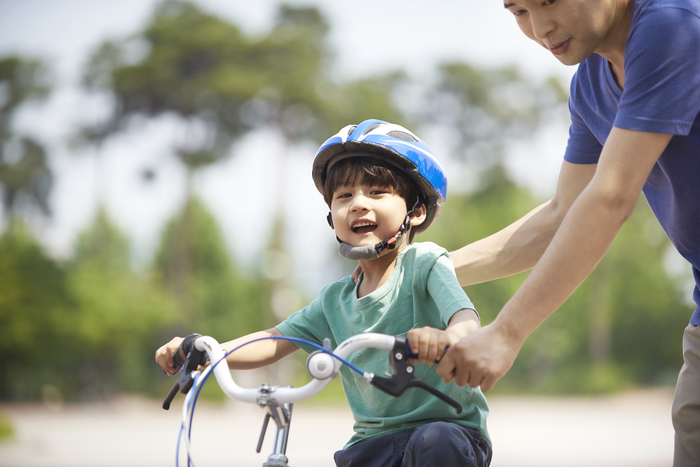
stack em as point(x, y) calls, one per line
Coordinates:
point(559, 48)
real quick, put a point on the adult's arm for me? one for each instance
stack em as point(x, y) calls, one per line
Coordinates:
point(520, 246)
point(584, 236)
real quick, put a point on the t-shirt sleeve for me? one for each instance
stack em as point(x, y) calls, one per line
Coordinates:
point(583, 147)
point(308, 323)
point(662, 73)
point(444, 289)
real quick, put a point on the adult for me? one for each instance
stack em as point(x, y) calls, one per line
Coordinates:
point(634, 106)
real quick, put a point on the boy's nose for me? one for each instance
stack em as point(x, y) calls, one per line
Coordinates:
point(359, 203)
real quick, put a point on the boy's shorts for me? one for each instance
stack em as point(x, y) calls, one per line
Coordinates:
point(434, 444)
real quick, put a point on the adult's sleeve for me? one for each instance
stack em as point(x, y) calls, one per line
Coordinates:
point(662, 73)
point(582, 147)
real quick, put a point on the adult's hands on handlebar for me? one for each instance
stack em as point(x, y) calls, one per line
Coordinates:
point(479, 359)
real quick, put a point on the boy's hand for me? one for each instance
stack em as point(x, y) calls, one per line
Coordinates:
point(428, 343)
point(165, 355)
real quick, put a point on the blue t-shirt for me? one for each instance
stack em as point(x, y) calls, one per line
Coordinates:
point(661, 95)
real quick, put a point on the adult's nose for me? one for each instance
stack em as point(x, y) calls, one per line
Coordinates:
point(542, 24)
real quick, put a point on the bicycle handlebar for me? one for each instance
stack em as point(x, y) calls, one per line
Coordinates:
point(321, 365)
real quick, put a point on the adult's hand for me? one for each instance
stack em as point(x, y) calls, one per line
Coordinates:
point(481, 358)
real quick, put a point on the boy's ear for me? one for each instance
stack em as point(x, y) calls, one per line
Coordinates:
point(419, 215)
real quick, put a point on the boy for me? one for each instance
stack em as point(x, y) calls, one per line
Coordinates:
point(382, 186)
point(635, 126)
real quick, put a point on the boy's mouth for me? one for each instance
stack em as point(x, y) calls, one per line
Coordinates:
point(364, 227)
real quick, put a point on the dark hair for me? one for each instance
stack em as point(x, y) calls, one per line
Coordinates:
point(370, 171)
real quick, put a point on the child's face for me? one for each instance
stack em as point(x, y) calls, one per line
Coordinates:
point(571, 30)
point(365, 214)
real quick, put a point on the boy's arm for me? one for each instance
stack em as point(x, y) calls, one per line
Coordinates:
point(258, 354)
point(255, 355)
point(430, 343)
point(519, 246)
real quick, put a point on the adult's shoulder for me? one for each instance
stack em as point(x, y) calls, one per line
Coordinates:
point(663, 8)
point(654, 18)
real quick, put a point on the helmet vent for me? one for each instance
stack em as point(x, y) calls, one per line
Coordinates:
point(351, 130)
point(372, 128)
point(403, 136)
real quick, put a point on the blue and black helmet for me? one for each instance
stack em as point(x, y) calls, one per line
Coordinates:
point(394, 145)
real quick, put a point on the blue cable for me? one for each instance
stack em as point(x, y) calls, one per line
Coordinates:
point(206, 376)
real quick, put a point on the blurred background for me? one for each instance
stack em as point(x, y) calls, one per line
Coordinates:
point(155, 177)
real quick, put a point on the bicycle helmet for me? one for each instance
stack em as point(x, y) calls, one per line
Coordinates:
point(401, 149)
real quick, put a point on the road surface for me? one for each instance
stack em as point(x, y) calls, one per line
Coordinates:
point(632, 429)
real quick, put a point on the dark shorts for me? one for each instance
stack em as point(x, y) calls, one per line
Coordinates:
point(434, 444)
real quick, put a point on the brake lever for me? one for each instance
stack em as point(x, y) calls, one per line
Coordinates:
point(193, 359)
point(403, 376)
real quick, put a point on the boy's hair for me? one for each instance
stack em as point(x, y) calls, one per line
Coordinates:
point(370, 171)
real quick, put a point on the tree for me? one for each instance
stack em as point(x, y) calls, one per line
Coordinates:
point(220, 84)
point(215, 298)
point(121, 317)
point(25, 176)
point(36, 317)
point(485, 109)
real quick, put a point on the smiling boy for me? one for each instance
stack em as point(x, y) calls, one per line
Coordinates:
point(634, 106)
point(383, 185)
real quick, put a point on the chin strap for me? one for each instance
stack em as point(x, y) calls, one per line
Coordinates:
point(373, 251)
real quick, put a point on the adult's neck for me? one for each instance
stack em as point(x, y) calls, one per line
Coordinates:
point(613, 47)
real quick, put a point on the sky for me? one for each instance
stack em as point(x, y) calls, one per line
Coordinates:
point(368, 37)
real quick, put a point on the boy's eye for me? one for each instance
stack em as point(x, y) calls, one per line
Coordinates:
point(342, 195)
point(378, 192)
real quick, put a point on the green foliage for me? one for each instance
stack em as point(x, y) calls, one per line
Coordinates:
point(25, 176)
point(194, 265)
point(36, 315)
point(488, 108)
point(6, 429)
point(122, 316)
point(22, 80)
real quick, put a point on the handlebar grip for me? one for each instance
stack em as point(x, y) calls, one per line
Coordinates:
point(409, 353)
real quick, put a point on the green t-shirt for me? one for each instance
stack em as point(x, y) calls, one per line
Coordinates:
point(421, 291)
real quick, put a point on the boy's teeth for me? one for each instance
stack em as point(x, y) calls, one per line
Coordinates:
point(363, 225)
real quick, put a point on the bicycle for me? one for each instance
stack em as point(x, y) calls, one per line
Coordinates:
point(322, 365)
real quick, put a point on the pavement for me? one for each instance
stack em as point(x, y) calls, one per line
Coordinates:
point(630, 429)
